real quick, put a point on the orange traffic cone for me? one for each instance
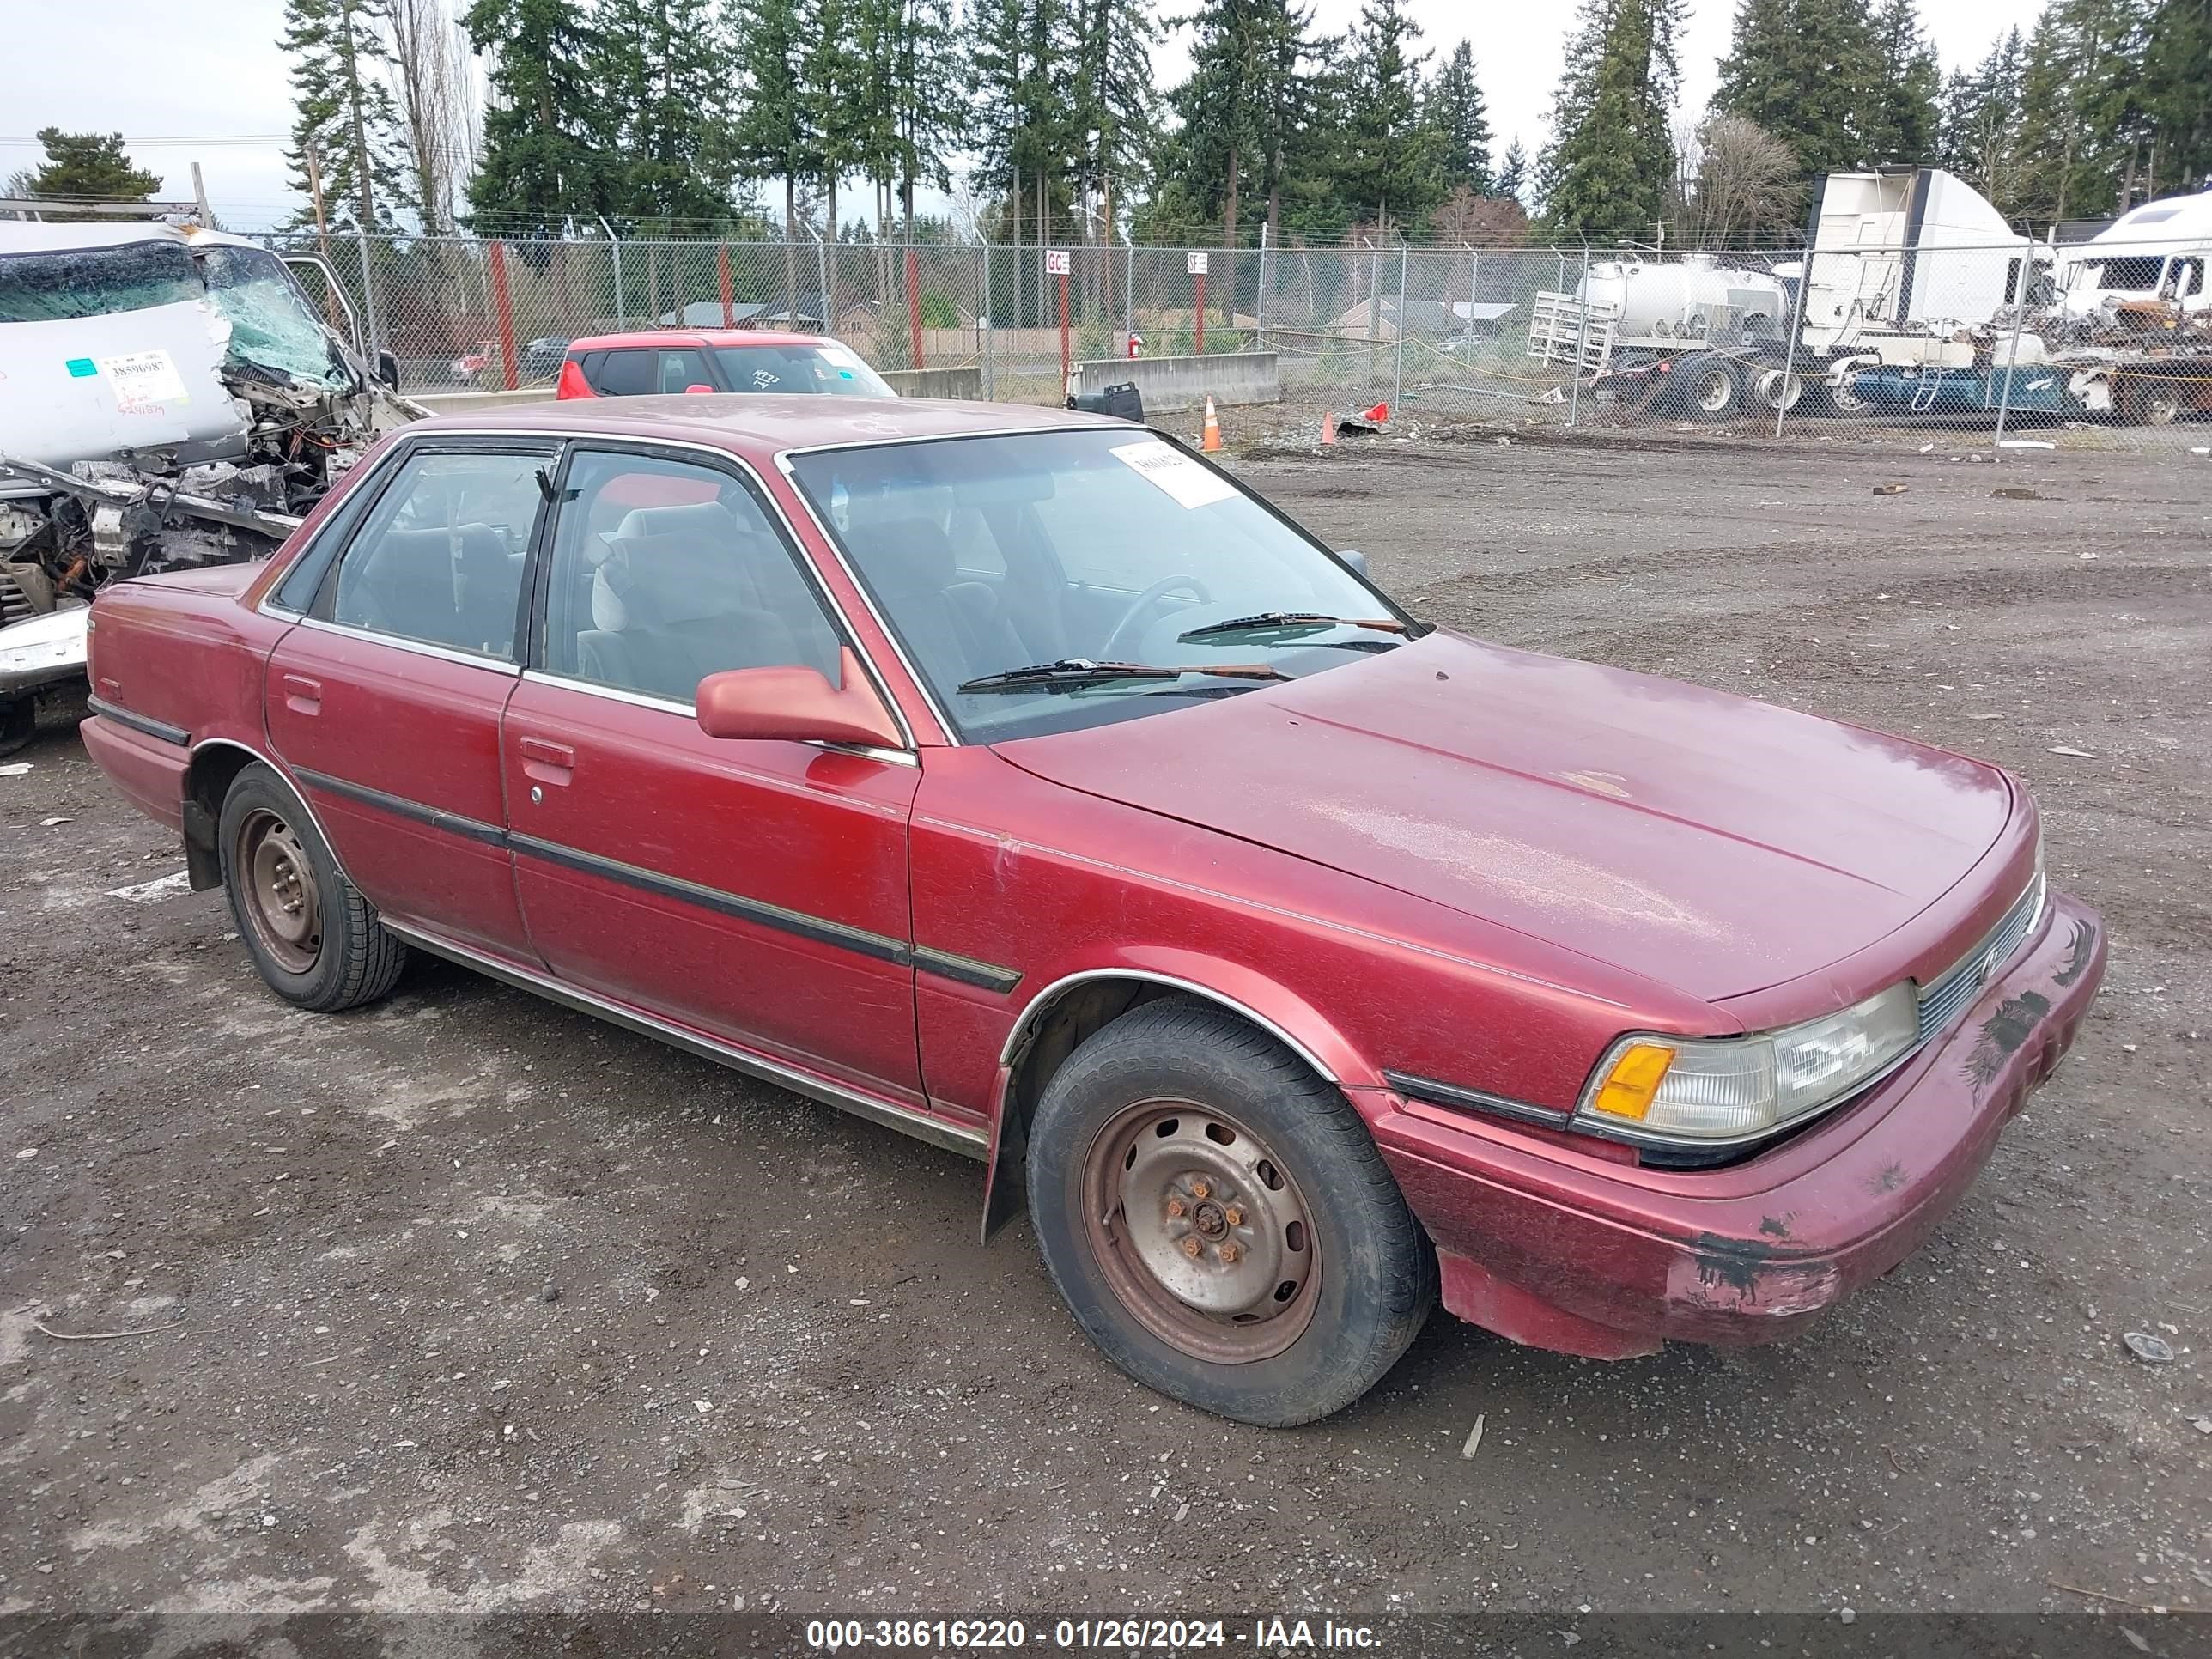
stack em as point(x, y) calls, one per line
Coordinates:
point(1212, 444)
point(1327, 427)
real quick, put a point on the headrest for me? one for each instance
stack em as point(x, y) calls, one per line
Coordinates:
point(654, 583)
point(407, 563)
point(910, 556)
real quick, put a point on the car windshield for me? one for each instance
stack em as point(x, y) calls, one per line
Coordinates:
point(65, 284)
point(785, 369)
point(271, 326)
point(1080, 547)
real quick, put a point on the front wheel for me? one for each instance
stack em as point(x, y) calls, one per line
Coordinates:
point(316, 940)
point(1219, 1221)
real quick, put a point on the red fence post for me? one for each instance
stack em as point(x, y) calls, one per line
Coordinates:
point(1063, 331)
point(913, 306)
point(1198, 311)
point(722, 265)
point(502, 305)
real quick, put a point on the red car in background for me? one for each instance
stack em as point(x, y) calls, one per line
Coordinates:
point(753, 360)
point(1019, 781)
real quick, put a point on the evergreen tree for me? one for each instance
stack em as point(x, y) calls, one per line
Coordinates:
point(921, 60)
point(670, 69)
point(343, 115)
point(1808, 72)
point(87, 167)
point(2083, 122)
point(548, 139)
point(1899, 121)
point(1116, 115)
point(1512, 179)
point(833, 93)
point(1455, 107)
point(2176, 89)
point(1390, 163)
point(773, 137)
point(1605, 174)
point(1980, 135)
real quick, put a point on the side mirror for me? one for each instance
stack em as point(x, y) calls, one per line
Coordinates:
point(387, 369)
point(697, 385)
point(797, 705)
point(1355, 558)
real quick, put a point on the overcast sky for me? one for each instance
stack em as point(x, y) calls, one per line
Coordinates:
point(204, 72)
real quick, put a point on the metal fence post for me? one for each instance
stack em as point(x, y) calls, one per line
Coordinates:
point(1582, 338)
point(990, 355)
point(1781, 398)
point(2012, 367)
point(1398, 366)
point(369, 293)
point(614, 246)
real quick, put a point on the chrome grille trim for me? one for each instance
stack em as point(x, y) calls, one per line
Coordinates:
point(1944, 998)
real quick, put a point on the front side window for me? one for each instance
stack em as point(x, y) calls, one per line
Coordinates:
point(440, 559)
point(1084, 546)
point(664, 572)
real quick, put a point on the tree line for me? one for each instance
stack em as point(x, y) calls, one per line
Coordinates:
point(1042, 119)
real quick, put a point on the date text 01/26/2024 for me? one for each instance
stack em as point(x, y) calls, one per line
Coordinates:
point(1093, 1635)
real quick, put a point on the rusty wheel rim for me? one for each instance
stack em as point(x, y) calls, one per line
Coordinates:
point(283, 905)
point(1201, 1231)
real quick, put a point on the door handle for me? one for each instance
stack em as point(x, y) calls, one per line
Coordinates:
point(547, 762)
point(302, 695)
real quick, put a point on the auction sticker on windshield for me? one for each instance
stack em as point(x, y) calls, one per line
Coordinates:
point(1189, 484)
point(144, 378)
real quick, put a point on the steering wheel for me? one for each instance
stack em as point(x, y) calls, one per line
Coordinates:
point(1111, 651)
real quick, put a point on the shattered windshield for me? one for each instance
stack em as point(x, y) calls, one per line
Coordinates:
point(62, 284)
point(271, 326)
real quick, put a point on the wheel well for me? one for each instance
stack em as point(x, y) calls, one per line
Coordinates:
point(213, 768)
point(1054, 1034)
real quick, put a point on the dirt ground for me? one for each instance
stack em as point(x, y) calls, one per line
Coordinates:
point(469, 1304)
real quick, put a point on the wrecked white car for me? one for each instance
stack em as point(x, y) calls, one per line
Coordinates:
point(168, 397)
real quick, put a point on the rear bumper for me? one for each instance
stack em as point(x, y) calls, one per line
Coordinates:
point(1568, 1251)
point(148, 770)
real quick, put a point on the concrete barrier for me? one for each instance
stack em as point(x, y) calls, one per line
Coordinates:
point(461, 403)
point(1173, 383)
point(964, 381)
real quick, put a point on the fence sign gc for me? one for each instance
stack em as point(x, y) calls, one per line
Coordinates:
point(1056, 264)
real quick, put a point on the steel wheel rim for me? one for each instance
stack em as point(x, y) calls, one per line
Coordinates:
point(283, 903)
point(1200, 1232)
point(1780, 390)
point(1714, 391)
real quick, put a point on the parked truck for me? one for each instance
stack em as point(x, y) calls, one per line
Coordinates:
point(169, 395)
point(1916, 297)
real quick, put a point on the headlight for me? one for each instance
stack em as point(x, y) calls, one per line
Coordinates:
point(1725, 1089)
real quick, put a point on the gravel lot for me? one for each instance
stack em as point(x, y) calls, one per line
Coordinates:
point(476, 1305)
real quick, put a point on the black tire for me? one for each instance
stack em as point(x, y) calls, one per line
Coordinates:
point(1371, 1272)
point(1710, 387)
point(348, 959)
point(18, 723)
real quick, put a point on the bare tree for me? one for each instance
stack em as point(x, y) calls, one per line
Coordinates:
point(1735, 183)
point(437, 100)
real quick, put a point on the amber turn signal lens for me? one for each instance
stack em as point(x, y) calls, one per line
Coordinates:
point(1634, 1079)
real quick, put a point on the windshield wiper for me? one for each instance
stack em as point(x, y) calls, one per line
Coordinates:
point(1263, 622)
point(1082, 671)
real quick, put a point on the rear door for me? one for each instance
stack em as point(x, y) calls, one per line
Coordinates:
point(755, 890)
point(385, 700)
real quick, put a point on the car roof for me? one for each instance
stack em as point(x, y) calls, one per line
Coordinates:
point(648, 338)
point(759, 424)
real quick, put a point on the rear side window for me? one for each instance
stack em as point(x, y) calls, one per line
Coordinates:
point(624, 375)
point(682, 370)
point(440, 559)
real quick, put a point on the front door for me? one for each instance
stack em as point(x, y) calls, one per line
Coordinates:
point(385, 700)
point(754, 890)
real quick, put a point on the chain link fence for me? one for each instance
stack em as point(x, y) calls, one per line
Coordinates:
point(2020, 343)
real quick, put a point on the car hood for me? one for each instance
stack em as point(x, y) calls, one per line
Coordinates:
point(1709, 842)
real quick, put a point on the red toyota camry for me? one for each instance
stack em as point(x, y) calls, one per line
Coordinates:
point(1019, 781)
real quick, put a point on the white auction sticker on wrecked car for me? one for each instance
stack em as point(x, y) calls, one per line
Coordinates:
point(1189, 484)
point(144, 377)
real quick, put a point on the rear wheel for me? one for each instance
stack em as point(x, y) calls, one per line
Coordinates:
point(315, 939)
point(18, 723)
point(1219, 1221)
point(2151, 403)
point(1713, 388)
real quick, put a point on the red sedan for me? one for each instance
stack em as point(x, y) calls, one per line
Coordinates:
point(1019, 781)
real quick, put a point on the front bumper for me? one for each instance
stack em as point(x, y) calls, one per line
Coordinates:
point(41, 651)
point(1567, 1250)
